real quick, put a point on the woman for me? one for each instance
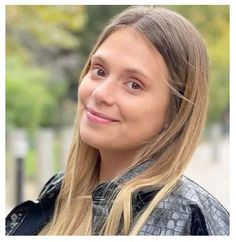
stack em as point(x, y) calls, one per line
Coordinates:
point(141, 109)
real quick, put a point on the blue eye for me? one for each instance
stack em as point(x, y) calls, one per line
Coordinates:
point(134, 85)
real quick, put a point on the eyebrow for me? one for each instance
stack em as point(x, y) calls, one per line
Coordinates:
point(133, 71)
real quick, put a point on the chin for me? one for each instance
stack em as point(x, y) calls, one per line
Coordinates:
point(89, 139)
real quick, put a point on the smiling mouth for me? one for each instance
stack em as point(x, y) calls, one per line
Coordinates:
point(97, 117)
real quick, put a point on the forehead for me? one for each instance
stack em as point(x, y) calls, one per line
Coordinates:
point(127, 47)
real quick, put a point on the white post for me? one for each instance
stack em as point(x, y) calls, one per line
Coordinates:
point(44, 157)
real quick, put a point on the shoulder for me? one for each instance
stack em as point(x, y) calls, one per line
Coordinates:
point(202, 202)
point(188, 210)
point(29, 217)
point(52, 186)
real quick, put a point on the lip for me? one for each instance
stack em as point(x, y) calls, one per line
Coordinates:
point(98, 117)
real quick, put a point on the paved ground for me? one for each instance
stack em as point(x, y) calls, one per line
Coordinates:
point(209, 169)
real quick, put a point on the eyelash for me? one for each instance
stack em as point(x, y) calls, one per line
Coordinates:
point(96, 68)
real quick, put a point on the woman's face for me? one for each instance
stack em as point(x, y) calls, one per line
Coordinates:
point(124, 97)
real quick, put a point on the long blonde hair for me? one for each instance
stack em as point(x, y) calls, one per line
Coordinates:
point(185, 56)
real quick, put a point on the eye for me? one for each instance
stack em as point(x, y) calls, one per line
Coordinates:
point(134, 85)
point(97, 71)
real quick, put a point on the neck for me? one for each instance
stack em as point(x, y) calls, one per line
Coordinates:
point(114, 164)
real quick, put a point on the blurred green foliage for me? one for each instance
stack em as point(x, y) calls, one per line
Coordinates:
point(48, 45)
point(26, 93)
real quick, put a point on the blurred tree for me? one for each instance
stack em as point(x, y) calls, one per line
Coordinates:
point(43, 38)
point(49, 26)
point(26, 94)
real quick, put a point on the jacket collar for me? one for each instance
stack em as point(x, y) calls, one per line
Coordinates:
point(104, 194)
point(104, 190)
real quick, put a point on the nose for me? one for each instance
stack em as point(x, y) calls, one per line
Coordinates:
point(104, 92)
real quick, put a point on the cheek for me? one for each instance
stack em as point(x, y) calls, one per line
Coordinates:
point(149, 118)
point(84, 91)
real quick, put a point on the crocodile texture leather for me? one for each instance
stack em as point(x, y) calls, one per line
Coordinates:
point(188, 210)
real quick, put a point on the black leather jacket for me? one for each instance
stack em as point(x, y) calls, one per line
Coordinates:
point(188, 210)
